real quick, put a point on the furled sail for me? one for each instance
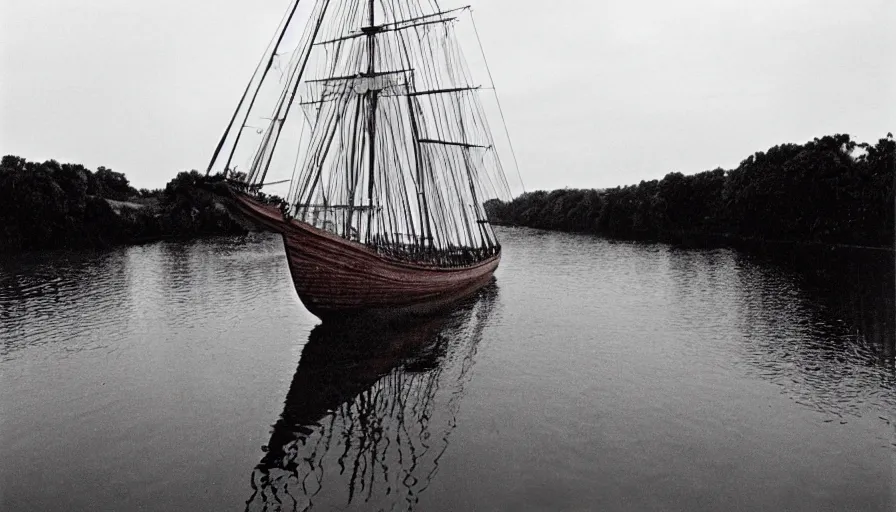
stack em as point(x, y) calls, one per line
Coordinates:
point(376, 118)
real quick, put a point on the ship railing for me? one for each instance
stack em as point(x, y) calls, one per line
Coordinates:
point(452, 257)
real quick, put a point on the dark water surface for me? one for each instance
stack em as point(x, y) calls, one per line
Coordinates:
point(591, 376)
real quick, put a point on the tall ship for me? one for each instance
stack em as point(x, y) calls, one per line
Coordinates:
point(371, 120)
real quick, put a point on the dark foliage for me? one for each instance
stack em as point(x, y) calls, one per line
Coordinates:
point(51, 205)
point(829, 190)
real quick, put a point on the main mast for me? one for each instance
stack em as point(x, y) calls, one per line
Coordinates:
point(372, 98)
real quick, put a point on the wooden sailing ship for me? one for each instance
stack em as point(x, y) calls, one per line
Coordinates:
point(374, 116)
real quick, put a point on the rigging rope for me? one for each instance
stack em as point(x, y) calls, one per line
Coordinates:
point(287, 16)
point(498, 100)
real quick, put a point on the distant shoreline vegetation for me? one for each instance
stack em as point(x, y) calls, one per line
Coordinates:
point(831, 190)
point(51, 205)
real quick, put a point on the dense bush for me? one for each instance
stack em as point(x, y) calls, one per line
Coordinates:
point(48, 205)
point(829, 190)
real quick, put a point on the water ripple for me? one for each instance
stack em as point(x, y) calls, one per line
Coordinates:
point(640, 376)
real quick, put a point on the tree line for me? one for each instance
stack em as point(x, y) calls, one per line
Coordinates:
point(51, 205)
point(829, 190)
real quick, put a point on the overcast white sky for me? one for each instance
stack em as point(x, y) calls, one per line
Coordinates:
point(597, 93)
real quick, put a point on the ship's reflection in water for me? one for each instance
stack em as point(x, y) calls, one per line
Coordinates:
point(369, 412)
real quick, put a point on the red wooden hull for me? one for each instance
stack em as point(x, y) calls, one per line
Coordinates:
point(336, 277)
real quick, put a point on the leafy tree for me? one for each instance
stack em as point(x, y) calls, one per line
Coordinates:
point(49, 205)
point(828, 190)
point(112, 185)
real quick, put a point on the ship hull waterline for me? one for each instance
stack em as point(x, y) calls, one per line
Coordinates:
point(335, 277)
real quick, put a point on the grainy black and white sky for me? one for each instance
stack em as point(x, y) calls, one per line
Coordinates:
point(597, 92)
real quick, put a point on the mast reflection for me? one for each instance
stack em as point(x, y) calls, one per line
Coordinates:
point(369, 413)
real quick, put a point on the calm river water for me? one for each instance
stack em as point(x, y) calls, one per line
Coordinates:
point(591, 376)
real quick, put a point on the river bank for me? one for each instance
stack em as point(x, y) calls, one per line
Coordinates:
point(66, 206)
point(831, 191)
point(698, 240)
